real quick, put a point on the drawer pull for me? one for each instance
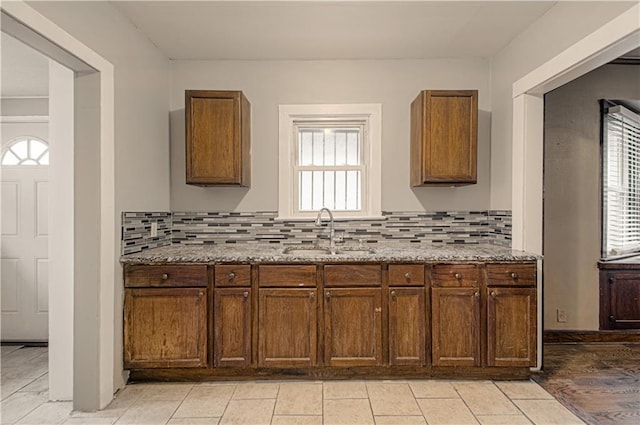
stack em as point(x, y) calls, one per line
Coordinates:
point(165, 276)
point(393, 294)
point(458, 276)
point(312, 295)
point(328, 295)
point(514, 275)
point(245, 294)
point(493, 294)
point(477, 294)
point(407, 276)
point(232, 276)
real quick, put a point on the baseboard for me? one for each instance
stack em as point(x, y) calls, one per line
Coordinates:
point(551, 337)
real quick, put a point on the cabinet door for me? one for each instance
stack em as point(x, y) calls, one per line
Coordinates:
point(287, 327)
point(232, 327)
point(511, 327)
point(165, 328)
point(406, 326)
point(622, 300)
point(455, 326)
point(217, 136)
point(353, 327)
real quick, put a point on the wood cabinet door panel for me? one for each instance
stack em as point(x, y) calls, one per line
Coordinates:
point(624, 299)
point(353, 327)
point(165, 328)
point(407, 345)
point(511, 326)
point(455, 321)
point(287, 327)
point(232, 327)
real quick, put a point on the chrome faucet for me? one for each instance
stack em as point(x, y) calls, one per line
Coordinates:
point(332, 232)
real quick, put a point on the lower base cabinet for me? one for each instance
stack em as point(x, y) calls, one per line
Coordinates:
point(232, 327)
point(619, 296)
point(165, 328)
point(287, 327)
point(407, 328)
point(353, 327)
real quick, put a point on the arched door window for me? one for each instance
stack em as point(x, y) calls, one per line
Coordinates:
point(26, 151)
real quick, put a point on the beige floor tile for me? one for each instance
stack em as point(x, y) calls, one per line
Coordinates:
point(548, 412)
point(194, 421)
point(48, 414)
point(89, 421)
point(253, 390)
point(254, 412)
point(433, 389)
point(20, 404)
point(400, 420)
point(166, 392)
point(389, 398)
point(205, 401)
point(149, 412)
point(296, 420)
point(523, 390)
point(486, 399)
point(442, 411)
point(299, 399)
point(344, 389)
point(348, 412)
point(39, 385)
point(503, 420)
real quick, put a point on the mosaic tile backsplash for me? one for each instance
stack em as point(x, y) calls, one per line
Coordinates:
point(461, 227)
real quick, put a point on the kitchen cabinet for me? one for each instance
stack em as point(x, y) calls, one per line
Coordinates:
point(455, 315)
point(287, 321)
point(407, 329)
point(444, 133)
point(165, 327)
point(232, 327)
point(620, 294)
point(218, 138)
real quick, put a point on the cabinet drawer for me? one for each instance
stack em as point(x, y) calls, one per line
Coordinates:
point(406, 274)
point(232, 275)
point(353, 275)
point(455, 275)
point(287, 276)
point(511, 274)
point(165, 276)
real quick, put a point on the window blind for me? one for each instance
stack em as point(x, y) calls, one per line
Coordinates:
point(621, 182)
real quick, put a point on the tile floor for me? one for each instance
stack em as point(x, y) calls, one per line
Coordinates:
point(24, 394)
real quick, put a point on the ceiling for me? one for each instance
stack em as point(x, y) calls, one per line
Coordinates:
point(263, 30)
point(25, 71)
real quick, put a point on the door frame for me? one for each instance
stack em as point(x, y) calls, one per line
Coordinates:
point(93, 334)
point(610, 41)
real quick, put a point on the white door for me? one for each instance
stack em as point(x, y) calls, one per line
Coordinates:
point(25, 263)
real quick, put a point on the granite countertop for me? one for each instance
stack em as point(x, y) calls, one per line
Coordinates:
point(264, 253)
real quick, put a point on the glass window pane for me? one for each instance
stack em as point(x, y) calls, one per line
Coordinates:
point(353, 149)
point(318, 148)
point(36, 148)
point(29, 162)
point(306, 148)
point(341, 148)
point(20, 149)
point(318, 189)
point(353, 191)
point(10, 159)
point(44, 160)
point(329, 189)
point(306, 190)
point(341, 192)
point(329, 147)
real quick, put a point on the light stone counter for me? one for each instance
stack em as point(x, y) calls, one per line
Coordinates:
point(264, 253)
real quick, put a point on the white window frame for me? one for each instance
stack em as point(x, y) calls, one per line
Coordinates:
point(368, 115)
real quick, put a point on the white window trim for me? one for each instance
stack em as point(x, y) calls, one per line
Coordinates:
point(289, 114)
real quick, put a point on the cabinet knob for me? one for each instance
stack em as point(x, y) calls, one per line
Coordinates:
point(493, 294)
point(245, 294)
point(477, 294)
point(407, 276)
point(165, 276)
point(457, 276)
point(232, 276)
point(312, 295)
point(201, 294)
point(514, 275)
point(328, 295)
point(393, 294)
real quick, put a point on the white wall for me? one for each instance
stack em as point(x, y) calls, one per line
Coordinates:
point(393, 83)
point(572, 192)
point(562, 26)
point(141, 124)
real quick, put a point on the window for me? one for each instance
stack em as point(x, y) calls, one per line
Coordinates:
point(26, 151)
point(621, 181)
point(329, 157)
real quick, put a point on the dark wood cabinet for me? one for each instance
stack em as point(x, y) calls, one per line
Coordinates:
point(165, 328)
point(620, 295)
point(353, 327)
point(287, 327)
point(444, 132)
point(455, 326)
point(218, 138)
point(407, 329)
point(232, 327)
point(511, 326)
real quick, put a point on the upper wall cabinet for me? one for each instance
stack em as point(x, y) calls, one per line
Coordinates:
point(218, 138)
point(444, 134)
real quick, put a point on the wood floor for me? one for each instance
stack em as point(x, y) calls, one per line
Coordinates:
point(600, 383)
